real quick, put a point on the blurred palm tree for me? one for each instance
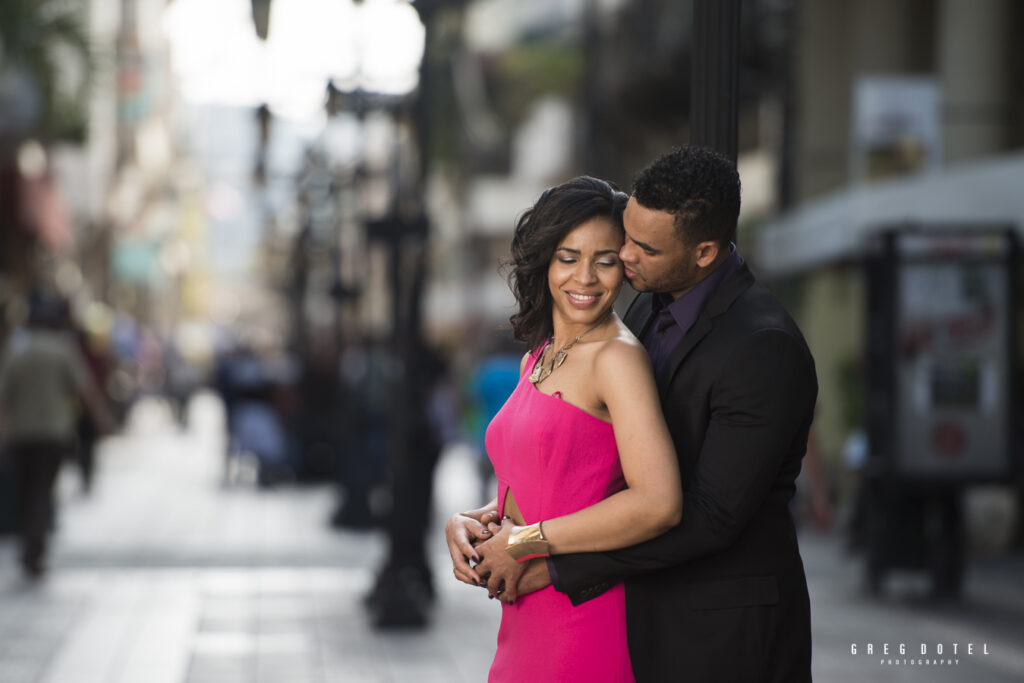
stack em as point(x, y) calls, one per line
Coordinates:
point(45, 51)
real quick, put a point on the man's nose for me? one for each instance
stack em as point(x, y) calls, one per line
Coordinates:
point(627, 254)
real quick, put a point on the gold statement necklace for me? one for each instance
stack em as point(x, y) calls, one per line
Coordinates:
point(543, 369)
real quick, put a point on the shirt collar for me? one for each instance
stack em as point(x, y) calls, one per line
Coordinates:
point(685, 309)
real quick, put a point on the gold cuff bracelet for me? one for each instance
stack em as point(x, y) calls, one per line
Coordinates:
point(527, 542)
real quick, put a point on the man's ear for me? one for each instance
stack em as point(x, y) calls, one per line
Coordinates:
point(707, 253)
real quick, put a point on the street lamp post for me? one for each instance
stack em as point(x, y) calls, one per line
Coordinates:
point(714, 114)
point(261, 17)
point(404, 584)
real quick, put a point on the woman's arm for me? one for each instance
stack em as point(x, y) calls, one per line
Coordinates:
point(649, 506)
point(652, 503)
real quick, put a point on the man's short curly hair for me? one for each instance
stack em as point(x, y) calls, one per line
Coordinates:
point(698, 186)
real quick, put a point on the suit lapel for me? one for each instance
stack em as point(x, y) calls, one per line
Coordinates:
point(737, 283)
point(697, 331)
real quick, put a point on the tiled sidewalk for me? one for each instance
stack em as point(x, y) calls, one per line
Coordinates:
point(212, 625)
point(163, 575)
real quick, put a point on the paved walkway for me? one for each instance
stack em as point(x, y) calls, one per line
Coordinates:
point(164, 575)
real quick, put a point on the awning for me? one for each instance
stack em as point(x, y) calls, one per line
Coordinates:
point(834, 228)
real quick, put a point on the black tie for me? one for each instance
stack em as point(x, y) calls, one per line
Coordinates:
point(663, 322)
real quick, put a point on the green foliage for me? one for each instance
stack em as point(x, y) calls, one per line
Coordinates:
point(33, 33)
point(531, 70)
point(851, 387)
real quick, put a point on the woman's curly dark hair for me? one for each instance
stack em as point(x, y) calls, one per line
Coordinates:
point(538, 232)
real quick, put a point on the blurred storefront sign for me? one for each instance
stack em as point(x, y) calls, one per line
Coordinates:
point(135, 261)
point(897, 126)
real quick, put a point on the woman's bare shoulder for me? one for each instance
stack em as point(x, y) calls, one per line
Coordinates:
point(621, 366)
point(622, 351)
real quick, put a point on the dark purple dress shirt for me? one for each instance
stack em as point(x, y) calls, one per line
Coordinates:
point(674, 318)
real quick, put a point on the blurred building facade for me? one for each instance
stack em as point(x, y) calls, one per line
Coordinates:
point(904, 114)
point(94, 211)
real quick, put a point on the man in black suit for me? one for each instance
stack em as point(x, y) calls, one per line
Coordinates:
point(722, 597)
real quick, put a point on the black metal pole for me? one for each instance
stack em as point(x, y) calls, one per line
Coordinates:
point(591, 137)
point(714, 118)
point(786, 68)
point(404, 585)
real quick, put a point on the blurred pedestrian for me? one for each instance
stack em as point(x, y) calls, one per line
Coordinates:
point(41, 375)
point(97, 359)
point(812, 486)
point(181, 380)
point(855, 457)
point(493, 381)
point(247, 381)
point(365, 369)
point(321, 417)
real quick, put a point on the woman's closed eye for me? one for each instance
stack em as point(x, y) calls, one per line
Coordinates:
point(608, 263)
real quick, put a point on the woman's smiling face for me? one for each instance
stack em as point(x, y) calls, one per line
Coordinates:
point(585, 274)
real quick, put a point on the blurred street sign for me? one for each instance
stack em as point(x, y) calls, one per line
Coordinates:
point(897, 126)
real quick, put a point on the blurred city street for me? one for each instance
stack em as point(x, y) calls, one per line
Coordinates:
point(166, 574)
point(259, 303)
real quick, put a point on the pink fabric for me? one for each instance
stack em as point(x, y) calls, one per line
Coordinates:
point(556, 459)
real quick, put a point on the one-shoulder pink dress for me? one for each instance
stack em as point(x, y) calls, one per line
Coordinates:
point(556, 459)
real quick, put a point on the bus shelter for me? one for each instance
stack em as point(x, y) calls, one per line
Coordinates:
point(941, 390)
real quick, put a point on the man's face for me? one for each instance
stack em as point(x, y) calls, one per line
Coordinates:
point(656, 260)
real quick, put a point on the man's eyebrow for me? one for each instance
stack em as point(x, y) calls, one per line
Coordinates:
point(642, 245)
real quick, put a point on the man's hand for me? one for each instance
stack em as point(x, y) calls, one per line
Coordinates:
point(500, 569)
point(462, 533)
point(533, 579)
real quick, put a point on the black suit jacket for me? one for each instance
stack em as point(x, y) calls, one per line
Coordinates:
point(722, 597)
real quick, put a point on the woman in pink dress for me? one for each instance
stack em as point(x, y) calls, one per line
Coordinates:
point(583, 458)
